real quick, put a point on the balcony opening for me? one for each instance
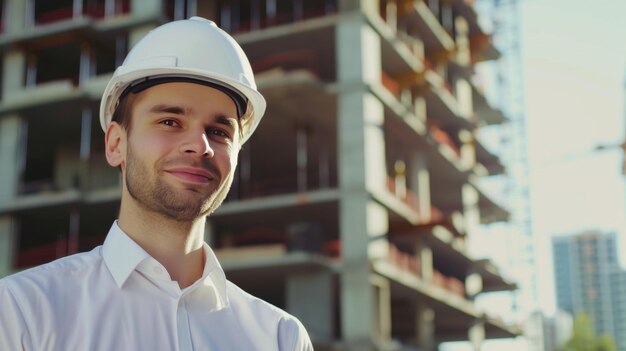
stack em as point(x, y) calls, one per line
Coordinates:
point(42, 236)
point(2, 14)
point(179, 9)
point(307, 161)
point(105, 8)
point(52, 151)
point(312, 9)
point(46, 11)
point(55, 63)
point(109, 53)
point(46, 234)
point(435, 7)
point(207, 9)
point(311, 228)
point(94, 8)
point(446, 18)
point(284, 11)
point(402, 163)
point(95, 222)
point(243, 15)
point(403, 320)
point(249, 15)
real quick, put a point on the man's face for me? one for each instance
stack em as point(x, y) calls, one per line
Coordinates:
point(181, 150)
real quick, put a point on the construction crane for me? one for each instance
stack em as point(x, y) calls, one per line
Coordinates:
point(504, 17)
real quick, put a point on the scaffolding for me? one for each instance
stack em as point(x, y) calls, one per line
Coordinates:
point(509, 97)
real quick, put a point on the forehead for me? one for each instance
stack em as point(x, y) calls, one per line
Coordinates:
point(196, 97)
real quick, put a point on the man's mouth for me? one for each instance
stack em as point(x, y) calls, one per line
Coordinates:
point(190, 174)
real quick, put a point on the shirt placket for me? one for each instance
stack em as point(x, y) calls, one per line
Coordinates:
point(159, 276)
point(182, 324)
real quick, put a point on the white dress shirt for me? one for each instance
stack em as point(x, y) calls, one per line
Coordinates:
point(117, 297)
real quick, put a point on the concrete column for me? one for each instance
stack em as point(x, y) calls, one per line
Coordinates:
point(143, 9)
point(10, 132)
point(368, 6)
point(391, 16)
point(146, 8)
point(473, 285)
point(476, 334)
point(382, 307)
point(463, 93)
point(419, 103)
point(15, 16)
point(467, 149)
point(13, 71)
point(471, 210)
point(425, 326)
point(6, 245)
point(463, 53)
point(420, 181)
point(425, 254)
point(316, 310)
point(361, 168)
point(377, 223)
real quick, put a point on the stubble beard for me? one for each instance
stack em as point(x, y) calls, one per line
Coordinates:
point(152, 193)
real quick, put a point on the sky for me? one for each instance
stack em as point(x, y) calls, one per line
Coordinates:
point(574, 67)
point(574, 55)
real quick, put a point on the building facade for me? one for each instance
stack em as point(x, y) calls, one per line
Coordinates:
point(589, 279)
point(354, 200)
point(553, 331)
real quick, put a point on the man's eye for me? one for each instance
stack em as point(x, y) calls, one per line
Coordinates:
point(169, 122)
point(218, 133)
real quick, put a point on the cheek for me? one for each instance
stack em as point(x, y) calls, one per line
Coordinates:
point(148, 150)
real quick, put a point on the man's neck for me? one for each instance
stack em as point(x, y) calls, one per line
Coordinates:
point(176, 245)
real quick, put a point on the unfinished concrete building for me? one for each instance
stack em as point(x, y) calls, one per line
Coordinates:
point(353, 201)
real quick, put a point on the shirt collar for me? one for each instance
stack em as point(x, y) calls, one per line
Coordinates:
point(121, 254)
point(214, 274)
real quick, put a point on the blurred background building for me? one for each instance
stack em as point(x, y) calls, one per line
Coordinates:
point(553, 331)
point(355, 201)
point(589, 280)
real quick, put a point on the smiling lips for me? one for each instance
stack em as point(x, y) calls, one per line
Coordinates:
point(194, 175)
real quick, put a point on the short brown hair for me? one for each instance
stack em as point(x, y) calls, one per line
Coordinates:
point(123, 111)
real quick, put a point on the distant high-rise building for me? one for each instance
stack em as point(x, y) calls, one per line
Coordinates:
point(589, 280)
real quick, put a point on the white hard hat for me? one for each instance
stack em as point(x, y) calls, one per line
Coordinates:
point(188, 50)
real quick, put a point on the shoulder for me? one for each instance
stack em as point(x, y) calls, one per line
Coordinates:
point(35, 300)
point(240, 299)
point(290, 333)
point(60, 272)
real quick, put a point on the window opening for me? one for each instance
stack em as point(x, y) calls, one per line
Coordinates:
point(46, 11)
point(52, 152)
point(62, 62)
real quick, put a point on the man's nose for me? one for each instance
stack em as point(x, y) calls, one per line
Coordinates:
point(197, 143)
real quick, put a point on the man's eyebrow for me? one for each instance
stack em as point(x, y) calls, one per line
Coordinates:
point(173, 109)
point(230, 122)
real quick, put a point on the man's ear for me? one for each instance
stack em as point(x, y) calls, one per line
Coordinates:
point(115, 144)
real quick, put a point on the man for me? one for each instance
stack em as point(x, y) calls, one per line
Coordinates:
point(175, 115)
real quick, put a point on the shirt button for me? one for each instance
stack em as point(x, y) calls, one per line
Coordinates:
point(158, 270)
